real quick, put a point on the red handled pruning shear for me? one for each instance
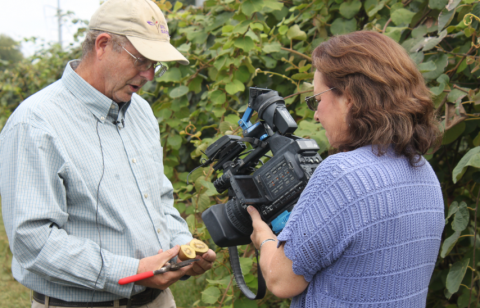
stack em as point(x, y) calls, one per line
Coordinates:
point(167, 268)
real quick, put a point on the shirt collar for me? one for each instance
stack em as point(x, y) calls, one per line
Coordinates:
point(93, 99)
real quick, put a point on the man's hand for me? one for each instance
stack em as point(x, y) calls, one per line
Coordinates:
point(205, 263)
point(153, 263)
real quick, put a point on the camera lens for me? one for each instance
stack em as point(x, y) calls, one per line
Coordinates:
point(238, 216)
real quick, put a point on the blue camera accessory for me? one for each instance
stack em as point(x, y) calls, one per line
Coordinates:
point(279, 223)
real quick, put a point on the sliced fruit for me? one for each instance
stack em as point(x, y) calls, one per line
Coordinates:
point(186, 252)
point(199, 246)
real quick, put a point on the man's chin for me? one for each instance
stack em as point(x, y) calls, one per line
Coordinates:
point(123, 98)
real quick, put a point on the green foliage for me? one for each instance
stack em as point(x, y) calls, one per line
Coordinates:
point(233, 45)
point(9, 51)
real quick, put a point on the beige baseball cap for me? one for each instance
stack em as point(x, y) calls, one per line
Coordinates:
point(143, 23)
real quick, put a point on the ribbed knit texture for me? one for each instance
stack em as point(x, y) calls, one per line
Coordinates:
point(366, 232)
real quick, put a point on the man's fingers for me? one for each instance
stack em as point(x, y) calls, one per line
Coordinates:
point(210, 256)
point(165, 256)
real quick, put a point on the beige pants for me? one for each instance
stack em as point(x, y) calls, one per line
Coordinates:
point(164, 300)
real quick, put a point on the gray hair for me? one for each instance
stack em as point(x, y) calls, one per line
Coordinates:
point(88, 44)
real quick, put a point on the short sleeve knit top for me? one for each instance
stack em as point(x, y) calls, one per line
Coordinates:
point(366, 232)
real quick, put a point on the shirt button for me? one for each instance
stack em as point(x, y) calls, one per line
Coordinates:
point(158, 230)
point(134, 161)
point(146, 196)
point(102, 118)
point(112, 106)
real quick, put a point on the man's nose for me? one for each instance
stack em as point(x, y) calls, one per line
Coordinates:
point(148, 74)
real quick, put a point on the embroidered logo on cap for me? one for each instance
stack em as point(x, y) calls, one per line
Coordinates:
point(160, 28)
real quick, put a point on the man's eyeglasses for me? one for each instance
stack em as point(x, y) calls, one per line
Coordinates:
point(144, 65)
point(312, 102)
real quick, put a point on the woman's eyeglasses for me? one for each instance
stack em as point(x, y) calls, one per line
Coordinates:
point(144, 65)
point(312, 102)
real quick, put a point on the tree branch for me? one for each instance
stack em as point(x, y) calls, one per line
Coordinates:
point(297, 53)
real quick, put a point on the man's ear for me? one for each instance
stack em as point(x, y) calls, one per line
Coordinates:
point(102, 45)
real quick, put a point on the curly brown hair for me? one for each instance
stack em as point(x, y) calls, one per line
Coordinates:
point(391, 105)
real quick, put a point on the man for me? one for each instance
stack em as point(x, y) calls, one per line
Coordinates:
point(85, 201)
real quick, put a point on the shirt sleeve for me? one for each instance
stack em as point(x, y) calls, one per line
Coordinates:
point(317, 232)
point(34, 203)
point(176, 225)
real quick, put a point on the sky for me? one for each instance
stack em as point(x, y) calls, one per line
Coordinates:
point(26, 18)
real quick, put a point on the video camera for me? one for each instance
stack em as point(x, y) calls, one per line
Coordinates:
point(273, 189)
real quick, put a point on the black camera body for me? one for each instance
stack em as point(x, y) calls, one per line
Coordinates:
point(275, 187)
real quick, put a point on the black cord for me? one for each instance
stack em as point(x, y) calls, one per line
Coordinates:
point(96, 216)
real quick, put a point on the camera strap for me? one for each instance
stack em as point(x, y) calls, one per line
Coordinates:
point(237, 273)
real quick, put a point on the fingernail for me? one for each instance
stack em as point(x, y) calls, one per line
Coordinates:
point(249, 208)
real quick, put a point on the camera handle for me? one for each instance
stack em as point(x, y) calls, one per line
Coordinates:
point(237, 273)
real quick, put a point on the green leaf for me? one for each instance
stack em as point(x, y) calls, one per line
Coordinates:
point(426, 67)
point(445, 18)
point(218, 97)
point(195, 175)
point(453, 133)
point(246, 265)
point(419, 31)
point(456, 274)
point(372, 7)
point(246, 303)
point(294, 33)
point(437, 4)
point(455, 95)
point(178, 5)
point(472, 158)
point(225, 126)
point(402, 17)
point(271, 47)
point(242, 74)
point(202, 201)
point(272, 5)
point(211, 295)
point(453, 4)
point(234, 87)
point(173, 74)
point(452, 210)
point(282, 30)
point(449, 243)
point(224, 282)
point(178, 91)
point(431, 42)
point(245, 43)
point(461, 218)
point(343, 26)
point(395, 32)
point(350, 9)
point(175, 141)
point(440, 62)
point(251, 6)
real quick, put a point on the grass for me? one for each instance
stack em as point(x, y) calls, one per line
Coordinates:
point(15, 295)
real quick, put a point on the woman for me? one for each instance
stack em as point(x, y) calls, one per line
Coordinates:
point(367, 228)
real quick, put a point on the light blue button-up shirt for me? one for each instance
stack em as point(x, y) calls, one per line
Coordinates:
point(60, 151)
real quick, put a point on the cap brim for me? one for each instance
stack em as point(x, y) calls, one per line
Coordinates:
point(161, 51)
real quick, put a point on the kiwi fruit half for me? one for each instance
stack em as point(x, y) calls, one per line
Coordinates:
point(199, 246)
point(186, 252)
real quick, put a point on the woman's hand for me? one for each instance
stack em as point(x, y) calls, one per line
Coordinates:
point(261, 231)
point(277, 269)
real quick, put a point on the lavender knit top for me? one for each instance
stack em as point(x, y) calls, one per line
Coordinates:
point(366, 232)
